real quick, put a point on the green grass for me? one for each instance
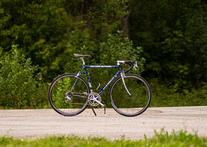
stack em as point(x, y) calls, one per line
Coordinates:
point(162, 139)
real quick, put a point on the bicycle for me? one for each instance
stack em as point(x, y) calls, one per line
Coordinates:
point(130, 94)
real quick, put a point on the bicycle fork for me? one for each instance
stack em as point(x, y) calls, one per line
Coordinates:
point(122, 77)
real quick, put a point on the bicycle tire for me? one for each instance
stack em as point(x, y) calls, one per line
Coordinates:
point(140, 95)
point(57, 95)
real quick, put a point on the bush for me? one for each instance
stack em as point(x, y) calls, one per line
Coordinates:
point(164, 96)
point(18, 85)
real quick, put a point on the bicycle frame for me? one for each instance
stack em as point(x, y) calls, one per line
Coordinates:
point(97, 66)
point(70, 94)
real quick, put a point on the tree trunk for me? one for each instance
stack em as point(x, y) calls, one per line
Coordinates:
point(125, 25)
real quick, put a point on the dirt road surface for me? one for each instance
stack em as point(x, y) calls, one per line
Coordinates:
point(36, 123)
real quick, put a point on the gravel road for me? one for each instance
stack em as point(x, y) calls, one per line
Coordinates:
point(36, 123)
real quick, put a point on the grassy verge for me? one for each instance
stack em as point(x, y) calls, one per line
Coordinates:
point(178, 139)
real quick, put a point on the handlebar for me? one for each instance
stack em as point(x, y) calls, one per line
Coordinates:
point(130, 63)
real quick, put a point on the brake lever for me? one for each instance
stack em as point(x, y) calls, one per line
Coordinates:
point(135, 66)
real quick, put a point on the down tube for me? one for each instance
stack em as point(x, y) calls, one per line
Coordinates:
point(102, 90)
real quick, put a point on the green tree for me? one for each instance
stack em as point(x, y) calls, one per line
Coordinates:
point(172, 34)
point(46, 31)
point(38, 27)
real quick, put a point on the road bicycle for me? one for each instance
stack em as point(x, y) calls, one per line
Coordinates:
point(130, 94)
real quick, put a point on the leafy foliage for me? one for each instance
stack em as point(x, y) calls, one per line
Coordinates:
point(59, 96)
point(170, 35)
point(50, 32)
point(38, 28)
point(47, 31)
point(173, 37)
point(168, 97)
point(19, 88)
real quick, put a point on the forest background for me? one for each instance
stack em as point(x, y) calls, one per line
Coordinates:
point(168, 38)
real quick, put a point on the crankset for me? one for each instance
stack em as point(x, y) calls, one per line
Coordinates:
point(95, 100)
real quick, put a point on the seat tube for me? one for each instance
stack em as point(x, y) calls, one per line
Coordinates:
point(89, 82)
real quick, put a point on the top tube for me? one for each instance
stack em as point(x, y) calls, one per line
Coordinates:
point(102, 66)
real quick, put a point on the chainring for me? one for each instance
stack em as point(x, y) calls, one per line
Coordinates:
point(92, 97)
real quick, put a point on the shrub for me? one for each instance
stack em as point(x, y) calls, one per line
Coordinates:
point(18, 85)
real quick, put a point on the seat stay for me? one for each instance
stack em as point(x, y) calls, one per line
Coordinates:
point(77, 76)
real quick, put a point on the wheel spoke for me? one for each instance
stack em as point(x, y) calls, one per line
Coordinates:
point(132, 105)
point(65, 102)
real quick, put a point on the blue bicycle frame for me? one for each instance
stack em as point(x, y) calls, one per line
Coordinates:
point(74, 100)
point(97, 66)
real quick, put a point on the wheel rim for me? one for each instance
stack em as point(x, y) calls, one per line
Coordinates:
point(72, 105)
point(137, 103)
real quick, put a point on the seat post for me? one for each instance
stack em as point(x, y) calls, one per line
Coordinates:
point(82, 60)
point(81, 57)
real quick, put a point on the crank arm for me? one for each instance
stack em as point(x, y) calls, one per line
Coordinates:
point(99, 102)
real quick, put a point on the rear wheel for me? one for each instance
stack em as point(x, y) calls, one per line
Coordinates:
point(132, 105)
point(65, 100)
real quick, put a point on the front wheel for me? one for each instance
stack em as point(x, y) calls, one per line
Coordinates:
point(132, 105)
